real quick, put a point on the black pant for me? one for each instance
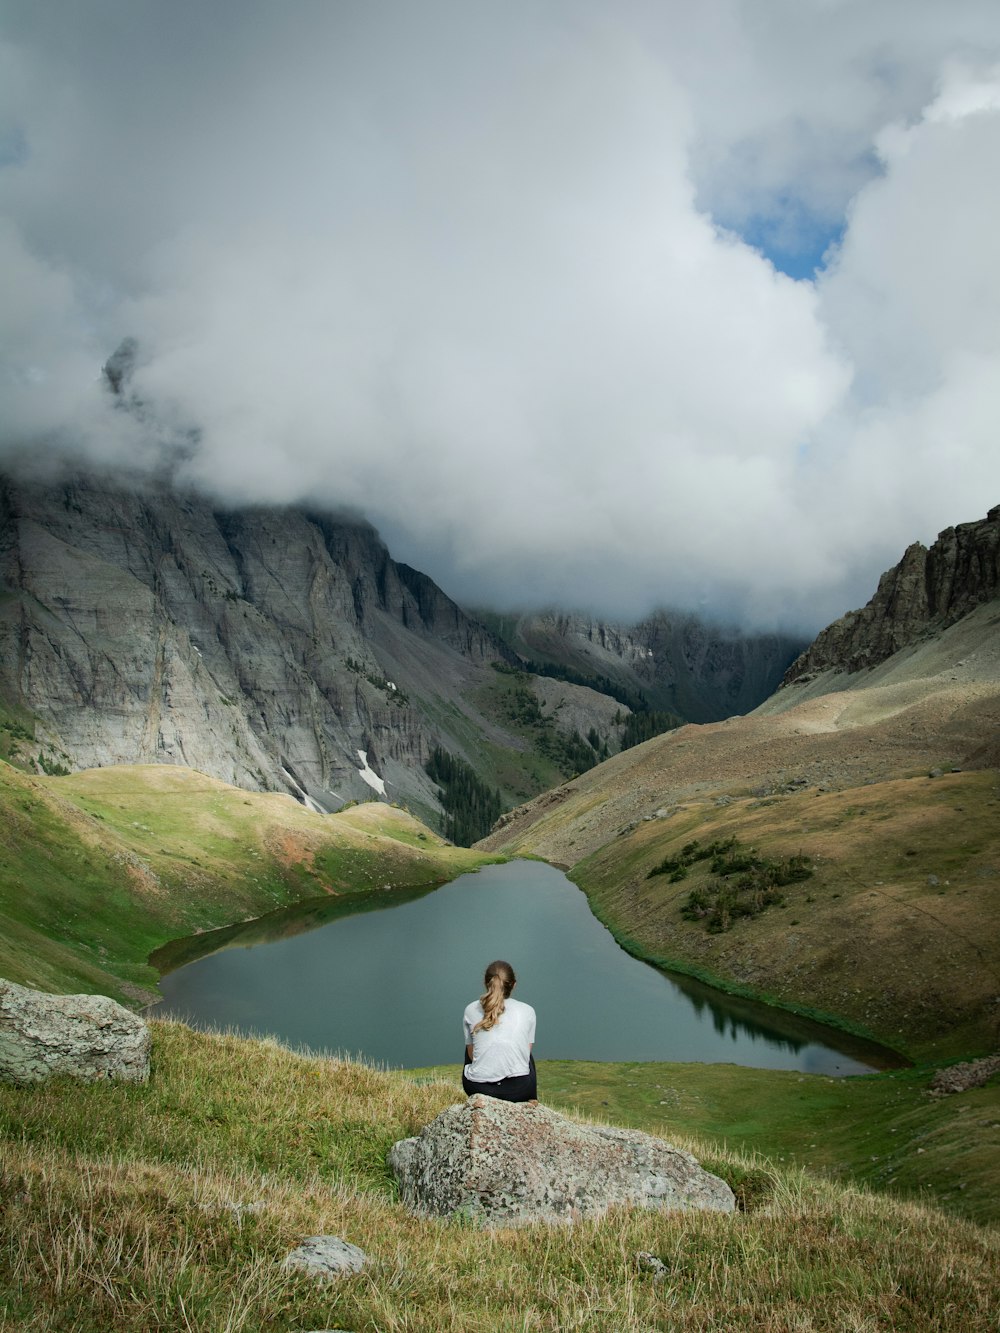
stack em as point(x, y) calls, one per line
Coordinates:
point(517, 1088)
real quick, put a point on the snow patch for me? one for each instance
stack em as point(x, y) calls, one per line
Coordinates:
point(302, 794)
point(369, 775)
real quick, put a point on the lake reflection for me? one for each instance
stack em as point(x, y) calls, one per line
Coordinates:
point(338, 974)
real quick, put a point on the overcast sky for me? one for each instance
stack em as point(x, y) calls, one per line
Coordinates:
point(613, 305)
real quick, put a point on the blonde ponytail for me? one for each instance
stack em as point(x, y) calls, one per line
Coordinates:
point(499, 982)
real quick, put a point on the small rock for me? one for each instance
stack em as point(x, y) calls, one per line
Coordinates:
point(933, 880)
point(326, 1257)
point(935, 773)
point(649, 1263)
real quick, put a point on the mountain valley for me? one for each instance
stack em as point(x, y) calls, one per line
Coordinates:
point(881, 782)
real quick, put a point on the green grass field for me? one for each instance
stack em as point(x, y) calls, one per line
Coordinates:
point(172, 1206)
point(866, 1205)
point(100, 868)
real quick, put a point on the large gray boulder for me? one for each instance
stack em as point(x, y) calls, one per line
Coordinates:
point(85, 1036)
point(505, 1164)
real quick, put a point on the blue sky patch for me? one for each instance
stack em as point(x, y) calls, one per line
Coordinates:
point(797, 251)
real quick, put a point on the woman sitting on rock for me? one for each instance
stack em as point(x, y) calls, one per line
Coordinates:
point(499, 1034)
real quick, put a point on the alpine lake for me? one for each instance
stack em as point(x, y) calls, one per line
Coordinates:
point(385, 978)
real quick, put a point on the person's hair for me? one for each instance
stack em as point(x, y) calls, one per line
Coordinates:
point(499, 981)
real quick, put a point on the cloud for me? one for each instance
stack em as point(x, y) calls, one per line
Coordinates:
point(480, 273)
point(913, 300)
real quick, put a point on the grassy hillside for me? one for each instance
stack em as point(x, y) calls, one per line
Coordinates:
point(879, 782)
point(892, 935)
point(172, 1206)
point(99, 868)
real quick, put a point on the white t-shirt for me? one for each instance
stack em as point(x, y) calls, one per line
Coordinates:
point(502, 1051)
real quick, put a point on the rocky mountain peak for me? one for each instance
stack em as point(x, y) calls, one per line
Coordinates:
point(930, 589)
point(120, 365)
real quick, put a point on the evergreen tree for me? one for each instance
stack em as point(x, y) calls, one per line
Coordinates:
point(471, 807)
point(641, 727)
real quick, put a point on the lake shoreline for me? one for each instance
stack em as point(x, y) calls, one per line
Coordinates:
point(896, 1059)
point(647, 1012)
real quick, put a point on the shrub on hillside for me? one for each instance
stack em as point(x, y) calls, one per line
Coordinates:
point(744, 886)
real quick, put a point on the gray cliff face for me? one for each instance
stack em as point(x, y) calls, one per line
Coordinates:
point(263, 646)
point(926, 592)
point(679, 663)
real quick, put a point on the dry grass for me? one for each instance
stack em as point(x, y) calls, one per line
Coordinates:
point(172, 1207)
point(893, 935)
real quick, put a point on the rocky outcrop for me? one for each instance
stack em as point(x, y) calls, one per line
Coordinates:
point(963, 1077)
point(87, 1037)
point(575, 708)
point(280, 649)
point(506, 1164)
point(926, 592)
point(273, 648)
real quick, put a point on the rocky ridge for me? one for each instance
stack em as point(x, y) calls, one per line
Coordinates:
point(930, 589)
point(885, 775)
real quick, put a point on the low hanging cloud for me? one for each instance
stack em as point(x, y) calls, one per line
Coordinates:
point(482, 274)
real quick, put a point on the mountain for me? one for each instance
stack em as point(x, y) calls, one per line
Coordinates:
point(269, 647)
point(281, 649)
point(673, 661)
point(882, 776)
point(926, 592)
